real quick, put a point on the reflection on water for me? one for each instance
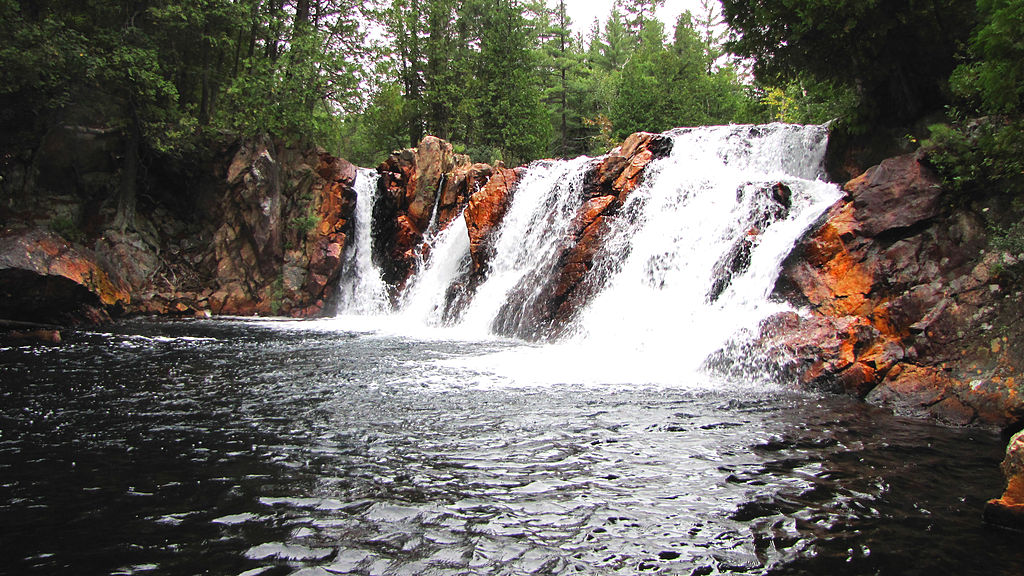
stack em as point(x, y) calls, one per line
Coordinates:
point(223, 447)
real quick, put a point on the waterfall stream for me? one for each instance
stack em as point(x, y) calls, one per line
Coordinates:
point(362, 291)
point(687, 265)
point(419, 439)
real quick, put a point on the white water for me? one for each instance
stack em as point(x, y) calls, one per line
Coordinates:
point(656, 310)
point(362, 291)
point(424, 300)
point(529, 236)
point(663, 306)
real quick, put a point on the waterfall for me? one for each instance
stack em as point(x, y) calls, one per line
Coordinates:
point(686, 266)
point(692, 266)
point(425, 300)
point(361, 290)
point(527, 242)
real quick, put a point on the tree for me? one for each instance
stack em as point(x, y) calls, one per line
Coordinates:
point(163, 73)
point(993, 81)
point(563, 55)
point(980, 148)
point(637, 13)
point(663, 87)
point(506, 71)
point(896, 54)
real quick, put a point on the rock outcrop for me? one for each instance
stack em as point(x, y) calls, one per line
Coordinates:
point(262, 231)
point(906, 295)
point(45, 279)
point(485, 211)
point(1008, 510)
point(415, 184)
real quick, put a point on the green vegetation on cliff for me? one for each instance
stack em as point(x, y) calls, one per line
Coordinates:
point(506, 80)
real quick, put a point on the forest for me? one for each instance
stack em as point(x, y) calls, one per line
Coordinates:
point(508, 80)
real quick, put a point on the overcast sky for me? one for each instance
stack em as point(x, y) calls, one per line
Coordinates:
point(583, 12)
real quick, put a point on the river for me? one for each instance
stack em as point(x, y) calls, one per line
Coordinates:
point(276, 447)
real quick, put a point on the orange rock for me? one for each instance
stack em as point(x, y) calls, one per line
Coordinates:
point(43, 278)
point(484, 212)
point(589, 212)
point(1008, 510)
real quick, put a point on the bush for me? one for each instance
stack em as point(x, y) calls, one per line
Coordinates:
point(305, 224)
point(65, 227)
point(978, 154)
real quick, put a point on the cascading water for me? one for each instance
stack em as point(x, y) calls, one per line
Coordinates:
point(424, 301)
point(687, 266)
point(362, 291)
point(694, 261)
point(527, 243)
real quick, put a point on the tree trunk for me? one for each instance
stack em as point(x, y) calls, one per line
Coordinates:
point(125, 218)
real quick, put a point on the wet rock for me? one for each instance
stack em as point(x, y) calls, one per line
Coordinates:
point(413, 183)
point(898, 193)
point(485, 211)
point(1008, 510)
point(891, 257)
point(36, 336)
point(621, 171)
point(461, 183)
point(45, 279)
point(606, 187)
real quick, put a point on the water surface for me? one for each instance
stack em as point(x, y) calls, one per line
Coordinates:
point(241, 447)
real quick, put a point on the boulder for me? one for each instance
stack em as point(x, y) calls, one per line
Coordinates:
point(1008, 510)
point(893, 257)
point(898, 193)
point(45, 279)
point(281, 229)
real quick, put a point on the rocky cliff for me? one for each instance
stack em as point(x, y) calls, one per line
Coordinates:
point(911, 304)
point(258, 228)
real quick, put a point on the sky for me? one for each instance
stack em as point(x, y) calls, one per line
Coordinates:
point(583, 12)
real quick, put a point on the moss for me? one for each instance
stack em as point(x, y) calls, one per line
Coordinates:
point(67, 229)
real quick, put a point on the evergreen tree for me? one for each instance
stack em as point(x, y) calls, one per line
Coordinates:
point(637, 13)
point(513, 118)
point(897, 55)
point(563, 54)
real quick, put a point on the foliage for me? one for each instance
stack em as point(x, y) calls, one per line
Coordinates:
point(305, 224)
point(994, 80)
point(807, 101)
point(896, 56)
point(65, 227)
point(979, 154)
point(665, 86)
point(986, 152)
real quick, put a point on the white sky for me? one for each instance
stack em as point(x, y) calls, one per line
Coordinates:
point(583, 12)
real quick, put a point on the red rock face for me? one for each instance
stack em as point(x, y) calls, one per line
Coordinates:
point(285, 220)
point(413, 182)
point(459, 184)
point(485, 211)
point(912, 277)
point(45, 279)
point(1008, 510)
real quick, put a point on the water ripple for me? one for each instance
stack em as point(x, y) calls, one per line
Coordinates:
point(232, 448)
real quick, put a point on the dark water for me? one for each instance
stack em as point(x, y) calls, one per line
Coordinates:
point(238, 448)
